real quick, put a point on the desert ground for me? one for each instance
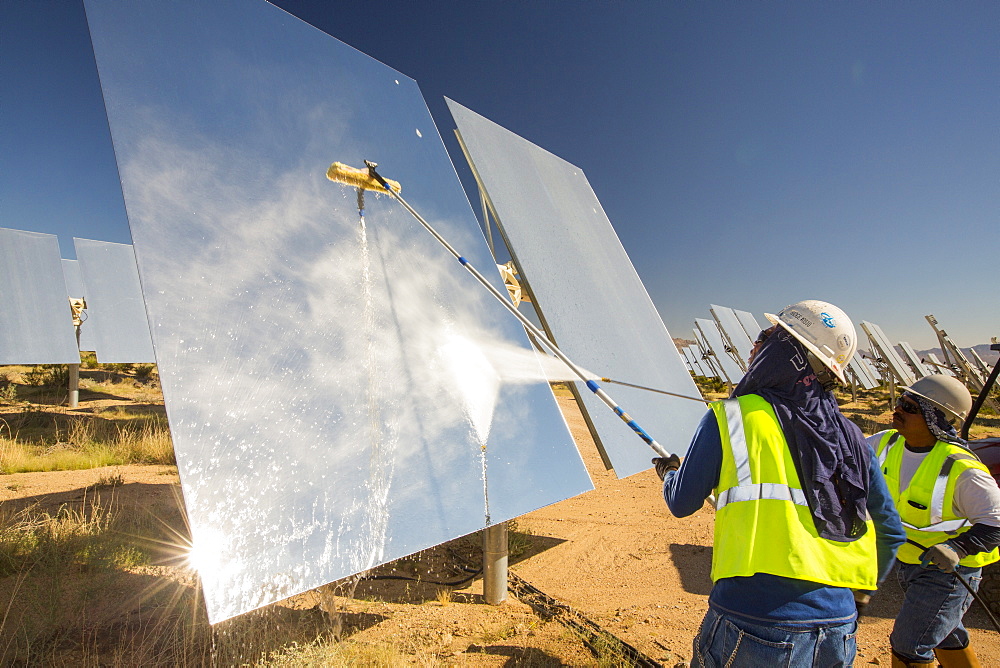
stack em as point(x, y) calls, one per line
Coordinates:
point(613, 556)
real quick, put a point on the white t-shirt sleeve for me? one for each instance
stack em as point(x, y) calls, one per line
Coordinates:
point(977, 497)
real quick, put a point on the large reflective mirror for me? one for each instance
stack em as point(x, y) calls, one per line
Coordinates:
point(36, 327)
point(586, 290)
point(336, 390)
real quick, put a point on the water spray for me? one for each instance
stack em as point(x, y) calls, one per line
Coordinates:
point(369, 179)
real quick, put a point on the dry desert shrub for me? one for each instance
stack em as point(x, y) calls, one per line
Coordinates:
point(329, 653)
point(80, 442)
point(51, 566)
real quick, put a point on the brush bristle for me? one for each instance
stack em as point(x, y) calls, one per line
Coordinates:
point(358, 178)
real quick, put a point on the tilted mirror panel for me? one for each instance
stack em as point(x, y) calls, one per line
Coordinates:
point(750, 324)
point(331, 387)
point(705, 356)
point(114, 300)
point(713, 338)
point(37, 325)
point(913, 359)
point(888, 354)
point(730, 324)
point(583, 283)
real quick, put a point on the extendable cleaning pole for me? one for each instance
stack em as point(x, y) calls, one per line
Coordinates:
point(652, 389)
point(371, 180)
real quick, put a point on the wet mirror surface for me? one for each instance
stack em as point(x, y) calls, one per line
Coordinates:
point(332, 386)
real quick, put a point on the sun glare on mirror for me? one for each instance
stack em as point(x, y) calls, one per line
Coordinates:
point(206, 554)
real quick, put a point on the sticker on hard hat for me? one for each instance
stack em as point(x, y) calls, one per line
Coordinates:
point(828, 320)
point(798, 316)
point(844, 342)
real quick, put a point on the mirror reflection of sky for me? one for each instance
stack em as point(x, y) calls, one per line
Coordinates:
point(34, 327)
point(116, 310)
point(314, 410)
point(594, 303)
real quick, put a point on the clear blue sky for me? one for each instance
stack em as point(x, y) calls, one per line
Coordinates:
point(748, 154)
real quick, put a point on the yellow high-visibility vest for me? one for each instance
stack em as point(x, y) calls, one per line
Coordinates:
point(763, 523)
point(926, 505)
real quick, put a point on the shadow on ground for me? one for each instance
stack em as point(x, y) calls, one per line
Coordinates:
point(694, 563)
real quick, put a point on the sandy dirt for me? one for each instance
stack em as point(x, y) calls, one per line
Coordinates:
point(614, 554)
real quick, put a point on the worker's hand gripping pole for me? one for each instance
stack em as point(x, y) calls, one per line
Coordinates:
point(393, 189)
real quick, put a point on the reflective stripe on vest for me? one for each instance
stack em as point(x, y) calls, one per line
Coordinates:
point(935, 488)
point(763, 523)
point(766, 490)
point(937, 498)
point(746, 490)
point(936, 508)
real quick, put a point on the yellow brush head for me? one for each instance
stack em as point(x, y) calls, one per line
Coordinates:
point(358, 178)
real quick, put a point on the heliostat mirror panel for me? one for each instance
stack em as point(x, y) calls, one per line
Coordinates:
point(911, 357)
point(750, 324)
point(114, 302)
point(713, 340)
point(732, 330)
point(692, 356)
point(589, 296)
point(863, 372)
point(687, 362)
point(889, 356)
point(336, 391)
point(695, 356)
point(872, 370)
point(938, 365)
point(705, 356)
point(36, 324)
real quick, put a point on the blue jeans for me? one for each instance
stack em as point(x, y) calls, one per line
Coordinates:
point(932, 610)
point(725, 640)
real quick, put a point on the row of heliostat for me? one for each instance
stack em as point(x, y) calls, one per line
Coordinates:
point(40, 287)
point(723, 344)
point(336, 391)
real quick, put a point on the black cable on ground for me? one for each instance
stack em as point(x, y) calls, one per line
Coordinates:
point(410, 578)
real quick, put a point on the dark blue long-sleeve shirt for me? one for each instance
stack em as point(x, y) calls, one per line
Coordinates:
point(766, 597)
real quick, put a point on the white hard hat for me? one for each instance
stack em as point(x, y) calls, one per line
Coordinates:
point(945, 392)
point(824, 330)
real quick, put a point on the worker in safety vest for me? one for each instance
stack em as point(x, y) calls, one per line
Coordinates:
point(950, 508)
point(803, 515)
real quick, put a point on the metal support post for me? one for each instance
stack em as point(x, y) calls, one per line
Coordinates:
point(74, 385)
point(495, 563)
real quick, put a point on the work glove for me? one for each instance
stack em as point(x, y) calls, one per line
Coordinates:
point(664, 464)
point(943, 555)
point(861, 600)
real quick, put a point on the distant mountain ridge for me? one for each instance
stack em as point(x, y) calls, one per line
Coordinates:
point(983, 349)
